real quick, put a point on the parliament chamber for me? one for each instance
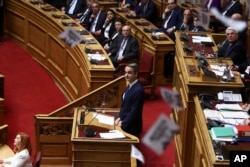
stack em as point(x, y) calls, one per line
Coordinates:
point(34, 27)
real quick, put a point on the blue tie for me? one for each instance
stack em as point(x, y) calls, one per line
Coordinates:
point(228, 49)
point(126, 90)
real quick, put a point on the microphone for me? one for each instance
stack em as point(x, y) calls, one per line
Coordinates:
point(89, 131)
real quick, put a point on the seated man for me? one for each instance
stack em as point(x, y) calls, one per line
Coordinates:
point(96, 20)
point(124, 48)
point(187, 23)
point(197, 27)
point(232, 47)
point(233, 6)
point(74, 8)
point(86, 13)
point(118, 31)
point(146, 9)
point(172, 16)
point(242, 34)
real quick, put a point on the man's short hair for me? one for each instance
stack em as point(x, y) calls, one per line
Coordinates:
point(233, 29)
point(134, 66)
point(119, 20)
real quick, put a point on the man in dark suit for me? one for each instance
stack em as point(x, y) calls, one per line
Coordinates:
point(118, 31)
point(232, 47)
point(96, 19)
point(1, 21)
point(130, 116)
point(172, 17)
point(75, 8)
point(125, 47)
point(187, 23)
point(146, 9)
point(197, 27)
point(233, 6)
point(86, 13)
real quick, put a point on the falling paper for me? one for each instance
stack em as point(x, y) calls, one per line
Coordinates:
point(71, 37)
point(172, 98)
point(160, 134)
point(135, 153)
point(204, 18)
point(236, 24)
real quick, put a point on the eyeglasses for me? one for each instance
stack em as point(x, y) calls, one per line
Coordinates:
point(171, 3)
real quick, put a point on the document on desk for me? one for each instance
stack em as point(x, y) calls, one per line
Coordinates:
point(200, 39)
point(105, 119)
point(235, 115)
point(231, 107)
point(212, 114)
point(113, 134)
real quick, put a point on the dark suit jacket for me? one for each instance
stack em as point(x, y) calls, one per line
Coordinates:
point(237, 52)
point(85, 16)
point(236, 8)
point(101, 38)
point(151, 12)
point(175, 20)
point(57, 3)
point(100, 21)
point(190, 24)
point(131, 109)
point(80, 5)
point(130, 51)
point(215, 3)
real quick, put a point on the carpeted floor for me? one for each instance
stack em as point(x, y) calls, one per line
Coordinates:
point(29, 90)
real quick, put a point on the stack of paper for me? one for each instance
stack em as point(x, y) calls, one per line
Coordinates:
point(232, 107)
point(222, 134)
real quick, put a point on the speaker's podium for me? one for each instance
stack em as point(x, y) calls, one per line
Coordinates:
point(97, 151)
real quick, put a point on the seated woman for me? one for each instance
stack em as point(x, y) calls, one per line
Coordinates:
point(22, 150)
point(108, 27)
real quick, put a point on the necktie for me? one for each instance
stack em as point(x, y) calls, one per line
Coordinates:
point(126, 90)
point(84, 15)
point(93, 25)
point(145, 8)
point(228, 7)
point(122, 47)
point(228, 49)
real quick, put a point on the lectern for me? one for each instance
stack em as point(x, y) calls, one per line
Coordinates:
point(96, 151)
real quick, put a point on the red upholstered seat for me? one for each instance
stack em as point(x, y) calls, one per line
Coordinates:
point(37, 159)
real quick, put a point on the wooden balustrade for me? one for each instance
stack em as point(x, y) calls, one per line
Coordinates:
point(53, 131)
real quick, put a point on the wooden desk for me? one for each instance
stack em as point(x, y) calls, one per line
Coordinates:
point(34, 28)
point(107, 4)
point(5, 152)
point(189, 85)
point(205, 155)
point(162, 47)
point(98, 152)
